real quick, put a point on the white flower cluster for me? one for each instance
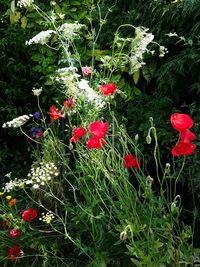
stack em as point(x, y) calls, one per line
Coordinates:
point(41, 175)
point(163, 50)
point(13, 184)
point(139, 47)
point(69, 30)
point(47, 218)
point(41, 38)
point(17, 122)
point(69, 77)
point(88, 94)
point(25, 3)
point(37, 92)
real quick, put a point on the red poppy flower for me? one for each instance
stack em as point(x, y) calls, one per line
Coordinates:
point(15, 232)
point(29, 214)
point(181, 121)
point(55, 113)
point(86, 71)
point(74, 139)
point(69, 102)
point(14, 253)
point(95, 143)
point(79, 132)
point(187, 136)
point(183, 148)
point(98, 128)
point(131, 161)
point(108, 89)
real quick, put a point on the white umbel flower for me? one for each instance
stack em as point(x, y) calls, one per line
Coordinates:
point(69, 30)
point(41, 38)
point(25, 3)
point(89, 94)
point(17, 122)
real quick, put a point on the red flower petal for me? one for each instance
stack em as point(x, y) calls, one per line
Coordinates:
point(183, 148)
point(181, 121)
point(14, 252)
point(98, 128)
point(95, 143)
point(131, 161)
point(79, 132)
point(108, 89)
point(187, 135)
point(69, 102)
point(29, 214)
point(55, 113)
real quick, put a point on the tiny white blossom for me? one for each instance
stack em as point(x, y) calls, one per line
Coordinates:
point(25, 3)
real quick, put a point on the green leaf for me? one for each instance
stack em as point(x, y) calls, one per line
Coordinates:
point(136, 76)
point(12, 6)
point(137, 91)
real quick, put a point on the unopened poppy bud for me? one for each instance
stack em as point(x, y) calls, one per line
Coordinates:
point(148, 139)
point(123, 235)
point(136, 137)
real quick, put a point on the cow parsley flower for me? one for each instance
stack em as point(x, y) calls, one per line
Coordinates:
point(42, 174)
point(41, 38)
point(70, 30)
point(25, 3)
point(89, 94)
point(47, 218)
point(17, 122)
point(13, 184)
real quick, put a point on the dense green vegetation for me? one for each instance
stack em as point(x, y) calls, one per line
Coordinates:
point(167, 82)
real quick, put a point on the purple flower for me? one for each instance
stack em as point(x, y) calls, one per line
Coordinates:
point(37, 115)
point(37, 132)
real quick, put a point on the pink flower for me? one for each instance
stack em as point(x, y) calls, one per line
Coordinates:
point(108, 89)
point(95, 143)
point(131, 161)
point(86, 71)
point(181, 121)
point(98, 129)
point(55, 113)
point(183, 148)
point(69, 102)
point(15, 232)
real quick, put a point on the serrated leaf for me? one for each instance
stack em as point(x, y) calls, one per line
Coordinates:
point(136, 76)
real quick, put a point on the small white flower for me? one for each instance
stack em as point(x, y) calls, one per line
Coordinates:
point(37, 92)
